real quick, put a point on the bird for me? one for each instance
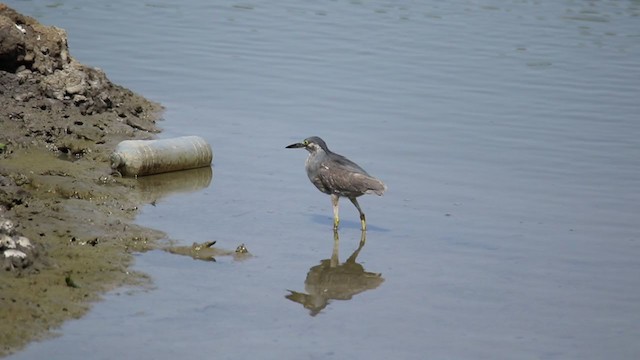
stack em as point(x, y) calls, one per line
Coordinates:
point(335, 175)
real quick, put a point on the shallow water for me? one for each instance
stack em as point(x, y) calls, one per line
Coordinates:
point(507, 132)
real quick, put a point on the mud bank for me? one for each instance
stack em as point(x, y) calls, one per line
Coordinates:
point(59, 121)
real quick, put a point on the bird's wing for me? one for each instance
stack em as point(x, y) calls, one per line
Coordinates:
point(346, 179)
point(347, 164)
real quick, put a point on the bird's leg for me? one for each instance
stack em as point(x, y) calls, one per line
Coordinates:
point(363, 221)
point(336, 218)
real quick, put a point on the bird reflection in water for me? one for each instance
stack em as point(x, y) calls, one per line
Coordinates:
point(334, 281)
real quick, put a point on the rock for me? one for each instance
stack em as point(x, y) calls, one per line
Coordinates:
point(14, 253)
point(207, 252)
point(6, 226)
point(6, 242)
point(11, 44)
point(16, 259)
point(78, 99)
point(24, 96)
point(40, 54)
point(17, 252)
point(25, 42)
point(23, 242)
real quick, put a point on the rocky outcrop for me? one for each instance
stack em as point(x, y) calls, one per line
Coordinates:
point(39, 54)
point(25, 44)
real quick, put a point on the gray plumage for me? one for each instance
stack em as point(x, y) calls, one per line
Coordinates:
point(335, 175)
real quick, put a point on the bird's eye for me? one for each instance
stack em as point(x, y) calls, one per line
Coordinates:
point(306, 142)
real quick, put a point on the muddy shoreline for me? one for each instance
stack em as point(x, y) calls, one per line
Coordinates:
point(59, 122)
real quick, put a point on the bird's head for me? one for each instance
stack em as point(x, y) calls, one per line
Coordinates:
point(312, 144)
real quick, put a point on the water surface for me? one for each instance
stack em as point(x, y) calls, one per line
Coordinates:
point(507, 132)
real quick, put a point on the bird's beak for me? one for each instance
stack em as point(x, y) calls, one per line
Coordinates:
point(295, 146)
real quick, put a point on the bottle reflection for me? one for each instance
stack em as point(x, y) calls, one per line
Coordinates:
point(334, 281)
point(155, 187)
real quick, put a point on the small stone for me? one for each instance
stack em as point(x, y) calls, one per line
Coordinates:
point(7, 226)
point(24, 97)
point(24, 242)
point(76, 88)
point(78, 99)
point(241, 249)
point(16, 259)
point(14, 253)
point(6, 242)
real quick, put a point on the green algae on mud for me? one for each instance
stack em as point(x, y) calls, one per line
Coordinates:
point(80, 217)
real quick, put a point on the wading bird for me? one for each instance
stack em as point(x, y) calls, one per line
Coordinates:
point(335, 175)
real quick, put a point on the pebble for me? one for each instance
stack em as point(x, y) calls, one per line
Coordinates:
point(14, 253)
point(6, 226)
point(24, 242)
point(6, 242)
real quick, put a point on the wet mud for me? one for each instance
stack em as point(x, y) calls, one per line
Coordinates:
point(59, 122)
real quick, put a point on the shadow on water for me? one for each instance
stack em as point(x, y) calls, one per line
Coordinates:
point(332, 280)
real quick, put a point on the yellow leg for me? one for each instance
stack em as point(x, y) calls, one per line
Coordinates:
point(336, 218)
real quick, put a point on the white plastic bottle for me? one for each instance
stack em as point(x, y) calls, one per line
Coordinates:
point(146, 157)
